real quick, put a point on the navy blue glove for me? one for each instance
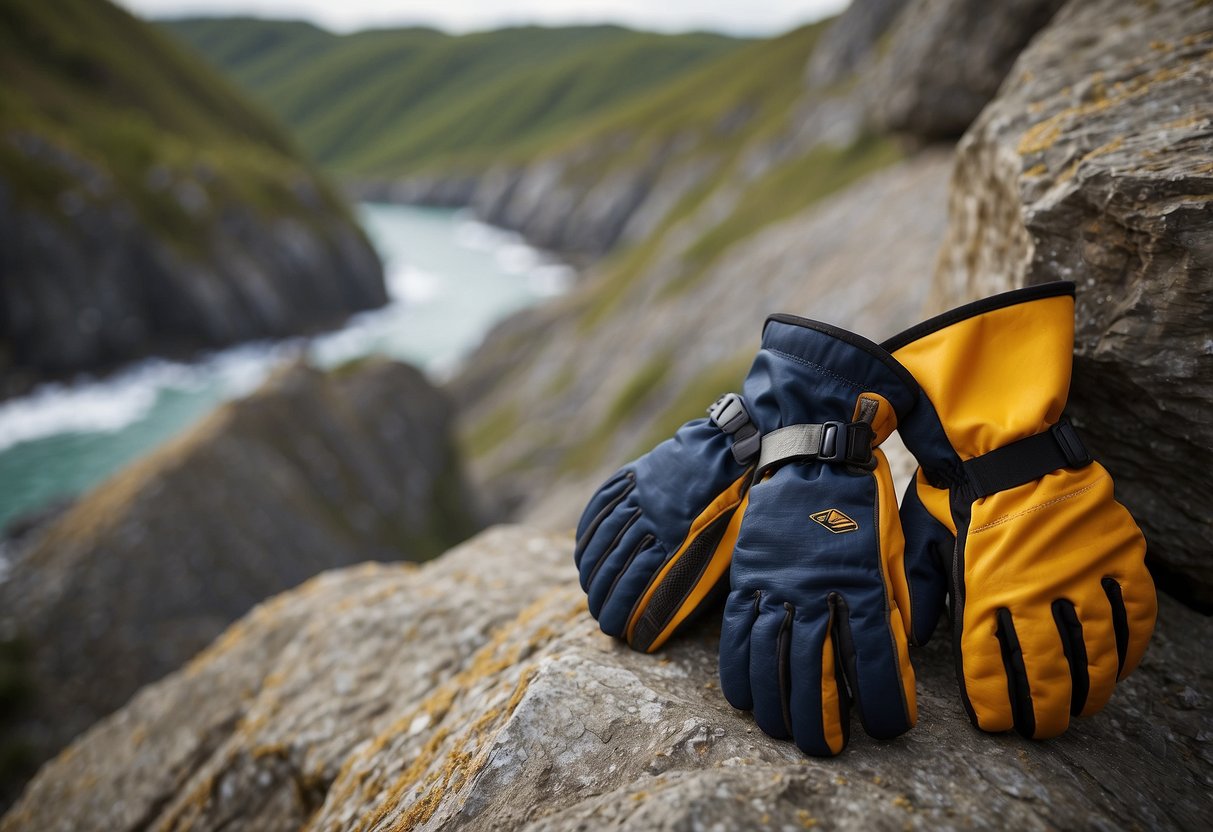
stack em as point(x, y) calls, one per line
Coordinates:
point(819, 607)
point(651, 544)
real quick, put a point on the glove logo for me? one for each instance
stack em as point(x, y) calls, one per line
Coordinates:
point(835, 521)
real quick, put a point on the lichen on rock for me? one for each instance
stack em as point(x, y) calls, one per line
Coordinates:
point(475, 692)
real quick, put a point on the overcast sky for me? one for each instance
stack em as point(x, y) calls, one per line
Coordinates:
point(763, 17)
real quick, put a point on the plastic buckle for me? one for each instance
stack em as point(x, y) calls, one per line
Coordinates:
point(728, 413)
point(849, 443)
point(1071, 445)
point(831, 449)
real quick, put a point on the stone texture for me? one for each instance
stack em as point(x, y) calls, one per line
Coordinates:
point(474, 692)
point(311, 472)
point(945, 59)
point(1093, 165)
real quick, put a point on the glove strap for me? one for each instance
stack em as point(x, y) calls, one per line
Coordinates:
point(1026, 460)
point(848, 443)
point(730, 415)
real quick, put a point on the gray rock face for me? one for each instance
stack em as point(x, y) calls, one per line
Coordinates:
point(946, 58)
point(849, 43)
point(1093, 165)
point(475, 692)
point(926, 67)
point(87, 284)
point(312, 472)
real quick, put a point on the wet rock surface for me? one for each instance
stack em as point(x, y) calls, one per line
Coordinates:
point(1093, 165)
point(475, 692)
point(312, 472)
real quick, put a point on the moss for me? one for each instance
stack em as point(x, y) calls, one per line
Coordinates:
point(623, 270)
point(492, 430)
point(639, 387)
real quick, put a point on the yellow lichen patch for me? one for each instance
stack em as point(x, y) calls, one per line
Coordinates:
point(1043, 135)
point(1039, 169)
point(467, 754)
point(1039, 137)
point(1109, 147)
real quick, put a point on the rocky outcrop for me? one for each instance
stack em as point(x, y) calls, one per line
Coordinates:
point(475, 692)
point(146, 209)
point(945, 59)
point(1093, 165)
point(926, 67)
point(312, 472)
point(639, 357)
point(87, 283)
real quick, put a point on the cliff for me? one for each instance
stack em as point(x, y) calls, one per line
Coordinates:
point(475, 692)
point(312, 472)
point(146, 208)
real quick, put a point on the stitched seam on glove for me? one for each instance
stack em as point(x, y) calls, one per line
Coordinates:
point(1054, 501)
point(818, 367)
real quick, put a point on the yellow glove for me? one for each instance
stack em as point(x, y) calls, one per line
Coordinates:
point(1051, 599)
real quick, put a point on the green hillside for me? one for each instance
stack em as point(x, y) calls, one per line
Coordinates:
point(386, 101)
point(87, 78)
point(144, 202)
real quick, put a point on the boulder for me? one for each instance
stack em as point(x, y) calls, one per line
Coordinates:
point(926, 67)
point(474, 692)
point(1093, 165)
point(311, 472)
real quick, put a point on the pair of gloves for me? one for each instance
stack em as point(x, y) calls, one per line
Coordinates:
point(783, 498)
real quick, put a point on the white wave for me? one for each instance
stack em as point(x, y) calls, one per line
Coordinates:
point(413, 285)
point(478, 236)
point(550, 279)
point(81, 407)
point(517, 258)
point(108, 405)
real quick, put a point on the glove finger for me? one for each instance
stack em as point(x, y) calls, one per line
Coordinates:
point(1140, 608)
point(1039, 686)
point(928, 551)
point(818, 702)
point(770, 677)
point(606, 538)
point(1074, 635)
point(740, 612)
point(611, 564)
point(629, 584)
point(875, 659)
point(687, 582)
point(601, 505)
point(1108, 641)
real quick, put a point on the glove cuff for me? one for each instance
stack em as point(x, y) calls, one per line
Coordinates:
point(838, 356)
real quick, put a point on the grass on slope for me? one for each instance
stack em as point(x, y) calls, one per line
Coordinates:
point(94, 99)
point(389, 101)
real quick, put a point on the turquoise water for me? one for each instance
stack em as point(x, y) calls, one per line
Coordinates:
point(450, 279)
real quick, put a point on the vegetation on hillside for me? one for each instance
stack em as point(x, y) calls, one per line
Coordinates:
point(95, 105)
point(393, 101)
